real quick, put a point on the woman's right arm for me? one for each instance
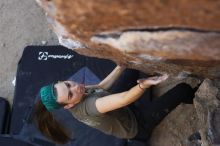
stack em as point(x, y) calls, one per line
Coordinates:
point(110, 79)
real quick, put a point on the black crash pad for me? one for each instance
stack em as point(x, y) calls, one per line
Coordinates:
point(4, 115)
point(40, 65)
point(6, 140)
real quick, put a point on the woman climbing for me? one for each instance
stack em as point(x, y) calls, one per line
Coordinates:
point(96, 107)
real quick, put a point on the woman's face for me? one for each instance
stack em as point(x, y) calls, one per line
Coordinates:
point(69, 93)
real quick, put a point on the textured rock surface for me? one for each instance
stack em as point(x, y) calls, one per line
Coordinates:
point(176, 128)
point(202, 117)
point(122, 31)
point(207, 104)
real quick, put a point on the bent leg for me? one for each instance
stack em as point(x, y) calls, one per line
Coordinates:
point(156, 110)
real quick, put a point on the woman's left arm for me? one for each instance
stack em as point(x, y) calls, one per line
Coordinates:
point(115, 101)
point(110, 79)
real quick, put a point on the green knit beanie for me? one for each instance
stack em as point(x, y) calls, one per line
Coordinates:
point(48, 98)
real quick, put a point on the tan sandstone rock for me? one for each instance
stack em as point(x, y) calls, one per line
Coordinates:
point(155, 36)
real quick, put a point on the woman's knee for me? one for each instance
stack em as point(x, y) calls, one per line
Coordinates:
point(186, 92)
point(184, 86)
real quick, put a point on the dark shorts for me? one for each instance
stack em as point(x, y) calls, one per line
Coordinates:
point(155, 111)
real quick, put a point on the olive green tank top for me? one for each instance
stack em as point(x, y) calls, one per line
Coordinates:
point(120, 123)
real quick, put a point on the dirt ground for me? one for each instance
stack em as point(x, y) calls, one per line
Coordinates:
point(22, 23)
